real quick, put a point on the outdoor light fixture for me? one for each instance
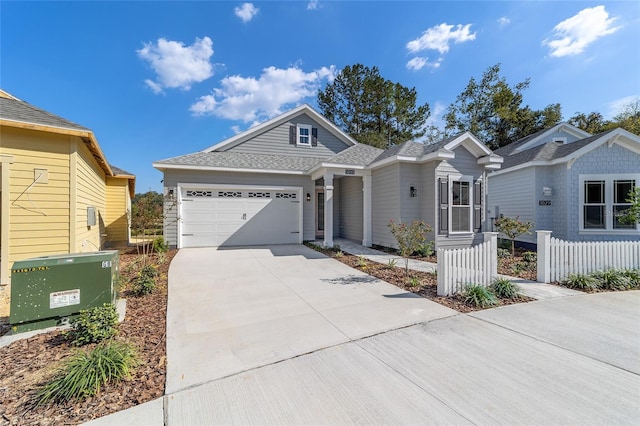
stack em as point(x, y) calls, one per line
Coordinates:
point(308, 197)
point(413, 191)
point(546, 191)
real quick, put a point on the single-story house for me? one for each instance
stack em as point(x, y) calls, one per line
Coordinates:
point(58, 193)
point(568, 181)
point(298, 177)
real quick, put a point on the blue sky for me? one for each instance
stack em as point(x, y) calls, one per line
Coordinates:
point(155, 80)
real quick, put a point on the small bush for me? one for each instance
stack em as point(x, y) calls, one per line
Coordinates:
point(612, 279)
point(479, 296)
point(362, 261)
point(633, 275)
point(425, 250)
point(143, 285)
point(159, 245)
point(94, 325)
point(85, 373)
point(413, 282)
point(339, 254)
point(503, 253)
point(149, 271)
point(530, 256)
point(580, 282)
point(391, 263)
point(505, 289)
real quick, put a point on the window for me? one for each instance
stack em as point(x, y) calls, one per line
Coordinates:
point(304, 135)
point(603, 199)
point(460, 204)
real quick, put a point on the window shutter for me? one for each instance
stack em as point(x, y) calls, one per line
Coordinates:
point(477, 206)
point(314, 136)
point(443, 226)
point(292, 135)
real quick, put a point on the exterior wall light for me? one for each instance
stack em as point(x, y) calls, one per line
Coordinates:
point(308, 197)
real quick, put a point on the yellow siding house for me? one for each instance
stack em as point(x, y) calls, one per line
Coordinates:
point(58, 193)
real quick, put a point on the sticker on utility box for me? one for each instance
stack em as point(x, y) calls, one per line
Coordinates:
point(60, 299)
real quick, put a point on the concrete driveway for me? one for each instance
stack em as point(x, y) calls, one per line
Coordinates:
point(284, 335)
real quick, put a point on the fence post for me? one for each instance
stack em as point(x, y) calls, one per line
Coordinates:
point(492, 237)
point(544, 256)
point(443, 275)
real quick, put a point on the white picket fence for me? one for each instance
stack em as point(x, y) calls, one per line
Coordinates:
point(475, 265)
point(558, 258)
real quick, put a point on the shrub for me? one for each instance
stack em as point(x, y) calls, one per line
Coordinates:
point(425, 250)
point(580, 282)
point(149, 271)
point(410, 238)
point(339, 254)
point(143, 285)
point(413, 282)
point(391, 263)
point(633, 275)
point(85, 373)
point(530, 256)
point(94, 325)
point(159, 246)
point(612, 279)
point(505, 289)
point(479, 296)
point(362, 261)
point(512, 227)
point(503, 253)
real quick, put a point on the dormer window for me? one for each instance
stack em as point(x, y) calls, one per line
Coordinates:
point(303, 135)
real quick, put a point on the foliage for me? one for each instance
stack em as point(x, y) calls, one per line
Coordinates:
point(149, 271)
point(410, 238)
point(85, 373)
point(628, 118)
point(503, 253)
point(362, 261)
point(593, 122)
point(512, 227)
point(632, 214)
point(371, 109)
point(146, 212)
point(425, 250)
point(612, 279)
point(158, 245)
point(633, 275)
point(479, 296)
point(339, 254)
point(391, 263)
point(505, 289)
point(413, 281)
point(530, 256)
point(492, 110)
point(94, 325)
point(580, 282)
point(145, 282)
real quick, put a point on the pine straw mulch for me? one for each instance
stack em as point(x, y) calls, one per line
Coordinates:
point(27, 364)
point(428, 282)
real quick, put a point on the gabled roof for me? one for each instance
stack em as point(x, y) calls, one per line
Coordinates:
point(277, 121)
point(17, 113)
point(554, 153)
point(534, 139)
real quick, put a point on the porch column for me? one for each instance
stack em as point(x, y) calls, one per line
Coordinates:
point(366, 211)
point(328, 210)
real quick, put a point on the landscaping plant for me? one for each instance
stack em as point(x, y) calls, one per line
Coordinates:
point(85, 373)
point(479, 296)
point(612, 279)
point(413, 281)
point(633, 275)
point(580, 282)
point(512, 227)
point(94, 325)
point(410, 238)
point(505, 289)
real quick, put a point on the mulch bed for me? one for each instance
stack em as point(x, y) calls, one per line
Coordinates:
point(27, 364)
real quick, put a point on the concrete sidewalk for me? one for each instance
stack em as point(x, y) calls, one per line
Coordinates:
point(529, 288)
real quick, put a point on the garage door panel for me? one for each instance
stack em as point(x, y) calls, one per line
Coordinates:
point(257, 217)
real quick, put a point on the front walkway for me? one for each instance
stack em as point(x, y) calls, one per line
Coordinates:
point(529, 288)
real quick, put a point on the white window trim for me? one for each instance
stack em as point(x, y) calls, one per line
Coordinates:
point(459, 178)
point(608, 194)
point(298, 135)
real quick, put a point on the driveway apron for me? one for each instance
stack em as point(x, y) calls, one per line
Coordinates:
point(232, 310)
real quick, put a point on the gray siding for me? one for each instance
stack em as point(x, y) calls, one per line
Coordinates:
point(557, 134)
point(427, 194)
point(350, 209)
point(174, 177)
point(276, 141)
point(602, 160)
point(410, 175)
point(513, 194)
point(385, 199)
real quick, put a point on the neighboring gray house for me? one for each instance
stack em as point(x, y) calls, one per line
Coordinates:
point(567, 181)
point(297, 177)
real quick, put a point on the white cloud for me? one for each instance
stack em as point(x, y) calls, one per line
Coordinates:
point(439, 37)
point(313, 5)
point(253, 100)
point(615, 107)
point(246, 12)
point(437, 113)
point(177, 65)
point(419, 62)
point(503, 21)
point(574, 34)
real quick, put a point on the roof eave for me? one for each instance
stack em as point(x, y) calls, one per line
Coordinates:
point(162, 167)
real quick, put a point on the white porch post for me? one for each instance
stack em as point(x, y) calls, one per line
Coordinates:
point(366, 211)
point(543, 238)
point(328, 210)
point(493, 253)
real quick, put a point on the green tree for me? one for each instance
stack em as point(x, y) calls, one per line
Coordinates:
point(629, 117)
point(371, 109)
point(492, 110)
point(410, 238)
point(632, 214)
point(512, 227)
point(593, 122)
point(146, 212)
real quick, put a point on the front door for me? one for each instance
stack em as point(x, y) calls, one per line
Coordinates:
point(319, 214)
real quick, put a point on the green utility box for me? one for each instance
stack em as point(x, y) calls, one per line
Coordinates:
point(50, 290)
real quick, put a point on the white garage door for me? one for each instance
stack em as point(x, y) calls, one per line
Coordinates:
point(239, 217)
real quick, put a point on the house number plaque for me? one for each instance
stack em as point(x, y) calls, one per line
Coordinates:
point(349, 172)
point(544, 202)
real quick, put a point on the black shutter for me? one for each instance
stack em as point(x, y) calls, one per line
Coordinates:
point(477, 206)
point(292, 135)
point(314, 136)
point(443, 185)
